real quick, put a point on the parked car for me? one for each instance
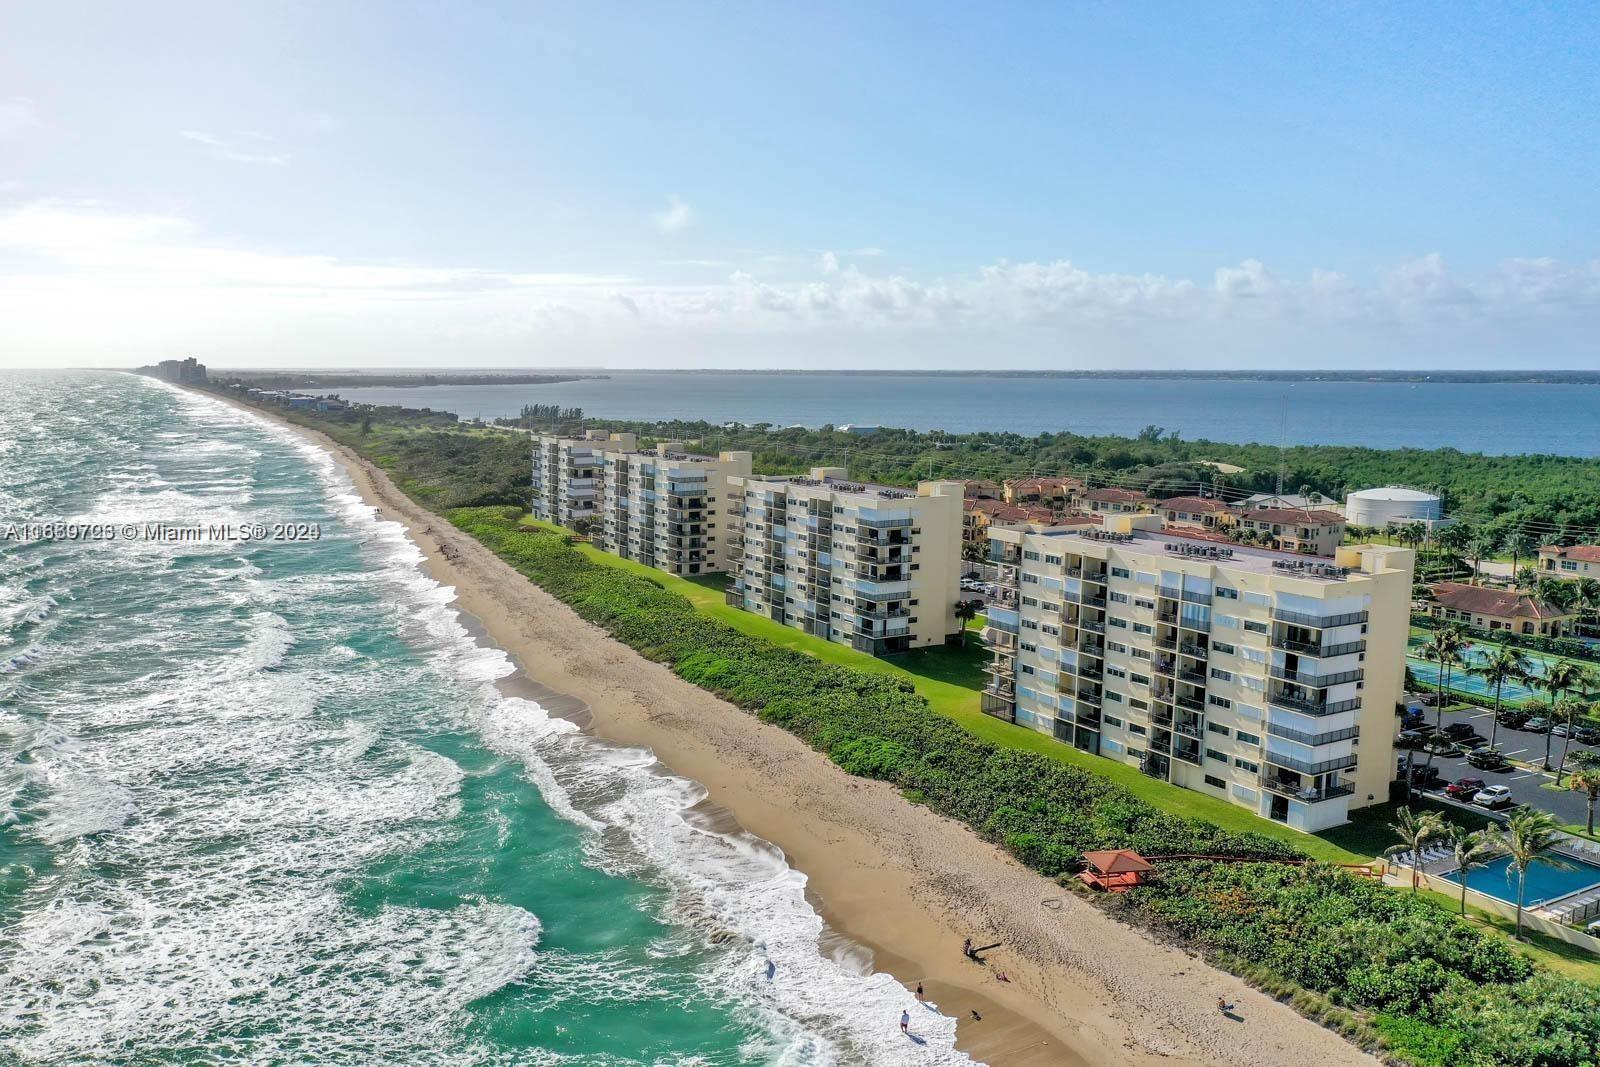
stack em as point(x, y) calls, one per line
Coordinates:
point(1460, 730)
point(1587, 735)
point(1411, 738)
point(1537, 725)
point(1512, 718)
point(1494, 796)
point(1424, 776)
point(1464, 788)
point(1486, 759)
point(1413, 719)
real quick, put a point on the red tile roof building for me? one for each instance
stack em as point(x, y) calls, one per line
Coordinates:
point(1497, 609)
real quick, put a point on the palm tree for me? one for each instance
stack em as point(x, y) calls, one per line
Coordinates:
point(966, 611)
point(1587, 780)
point(1559, 677)
point(1525, 578)
point(1471, 849)
point(1414, 831)
point(1480, 549)
point(1454, 539)
point(1520, 543)
point(1570, 709)
point(1589, 596)
point(1504, 664)
point(1528, 834)
point(1444, 647)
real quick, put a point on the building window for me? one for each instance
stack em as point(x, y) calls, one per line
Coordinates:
point(1246, 739)
point(1112, 720)
point(1217, 728)
point(1119, 598)
point(1246, 765)
point(1255, 627)
point(1221, 702)
point(1119, 572)
point(1220, 757)
point(1222, 646)
point(1225, 593)
point(1221, 675)
point(1214, 782)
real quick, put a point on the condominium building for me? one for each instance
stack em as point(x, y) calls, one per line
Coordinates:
point(668, 508)
point(1255, 676)
point(869, 566)
point(566, 474)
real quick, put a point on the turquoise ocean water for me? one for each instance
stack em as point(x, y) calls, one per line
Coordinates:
point(262, 801)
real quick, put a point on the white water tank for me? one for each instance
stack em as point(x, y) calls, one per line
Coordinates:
point(1392, 503)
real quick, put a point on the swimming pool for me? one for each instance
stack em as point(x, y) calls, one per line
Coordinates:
point(1544, 881)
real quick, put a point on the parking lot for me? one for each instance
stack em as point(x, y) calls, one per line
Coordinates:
point(1567, 805)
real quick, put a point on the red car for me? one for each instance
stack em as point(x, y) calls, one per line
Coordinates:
point(1463, 789)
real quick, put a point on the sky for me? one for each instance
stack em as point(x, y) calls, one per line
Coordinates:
point(933, 185)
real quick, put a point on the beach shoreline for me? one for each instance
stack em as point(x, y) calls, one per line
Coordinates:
point(896, 879)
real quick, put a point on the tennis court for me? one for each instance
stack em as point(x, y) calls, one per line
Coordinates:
point(1427, 671)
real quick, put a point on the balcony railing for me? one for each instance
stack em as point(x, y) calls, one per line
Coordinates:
point(1302, 648)
point(1328, 738)
point(1318, 622)
point(1316, 681)
point(1309, 793)
point(1339, 763)
point(1307, 706)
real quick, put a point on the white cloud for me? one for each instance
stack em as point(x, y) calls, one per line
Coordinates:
point(248, 147)
point(80, 282)
point(16, 115)
point(677, 216)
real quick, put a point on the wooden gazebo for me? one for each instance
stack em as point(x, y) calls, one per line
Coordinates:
point(1114, 871)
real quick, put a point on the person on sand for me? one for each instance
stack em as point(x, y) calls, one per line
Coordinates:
point(772, 969)
point(919, 991)
point(905, 1021)
point(976, 1017)
point(1223, 1006)
point(966, 948)
point(1002, 977)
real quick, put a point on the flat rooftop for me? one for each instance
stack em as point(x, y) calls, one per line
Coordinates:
point(842, 485)
point(1173, 545)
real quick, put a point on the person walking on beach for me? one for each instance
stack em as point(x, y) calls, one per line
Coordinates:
point(772, 969)
point(905, 1021)
point(919, 992)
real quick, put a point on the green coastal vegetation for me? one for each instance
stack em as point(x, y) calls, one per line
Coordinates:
point(1495, 495)
point(1394, 970)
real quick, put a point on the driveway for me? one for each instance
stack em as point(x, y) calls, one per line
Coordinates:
point(1567, 805)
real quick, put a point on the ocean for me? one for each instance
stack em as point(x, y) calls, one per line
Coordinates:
point(263, 801)
point(1503, 419)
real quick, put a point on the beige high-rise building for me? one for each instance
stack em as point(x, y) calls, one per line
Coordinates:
point(873, 567)
point(667, 509)
point(1260, 677)
point(670, 509)
point(566, 474)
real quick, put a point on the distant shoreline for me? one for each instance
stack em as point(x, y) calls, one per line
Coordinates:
point(402, 378)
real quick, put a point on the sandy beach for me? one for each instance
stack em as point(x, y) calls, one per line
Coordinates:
point(891, 876)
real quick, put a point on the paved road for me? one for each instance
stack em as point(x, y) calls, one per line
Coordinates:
point(1567, 805)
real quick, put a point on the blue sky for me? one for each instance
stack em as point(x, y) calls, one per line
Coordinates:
point(912, 185)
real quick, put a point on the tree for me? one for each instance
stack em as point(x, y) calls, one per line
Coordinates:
point(966, 611)
point(1414, 831)
point(1586, 780)
point(1479, 549)
point(1525, 578)
point(1504, 664)
point(1444, 647)
point(1528, 834)
point(1559, 677)
point(1470, 849)
point(1589, 597)
point(1570, 709)
point(1520, 543)
point(366, 425)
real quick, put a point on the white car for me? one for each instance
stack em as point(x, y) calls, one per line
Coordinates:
point(1494, 796)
